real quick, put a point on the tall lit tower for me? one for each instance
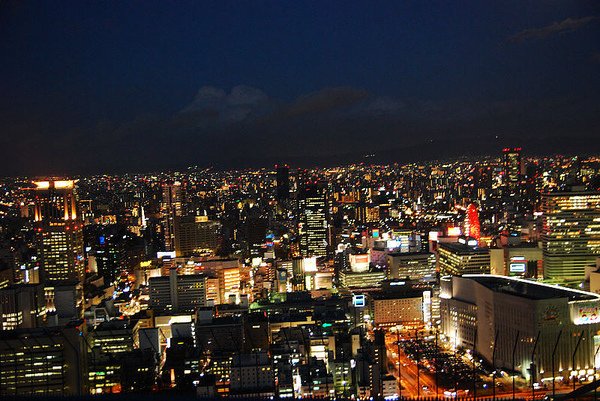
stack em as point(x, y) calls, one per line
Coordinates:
point(571, 233)
point(283, 181)
point(59, 231)
point(512, 167)
point(171, 207)
point(472, 226)
point(314, 211)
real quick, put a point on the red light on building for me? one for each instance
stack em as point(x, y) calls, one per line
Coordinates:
point(472, 225)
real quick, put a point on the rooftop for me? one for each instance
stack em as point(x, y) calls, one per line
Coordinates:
point(529, 289)
point(457, 247)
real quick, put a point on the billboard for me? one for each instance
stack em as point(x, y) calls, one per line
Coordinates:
point(310, 264)
point(587, 313)
point(518, 267)
point(360, 263)
point(359, 300)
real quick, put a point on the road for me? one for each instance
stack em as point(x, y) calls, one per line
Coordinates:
point(423, 384)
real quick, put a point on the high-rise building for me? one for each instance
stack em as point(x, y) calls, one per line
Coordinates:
point(195, 234)
point(43, 362)
point(314, 212)
point(458, 258)
point(283, 182)
point(171, 207)
point(571, 232)
point(512, 167)
point(22, 306)
point(415, 265)
point(59, 231)
point(177, 292)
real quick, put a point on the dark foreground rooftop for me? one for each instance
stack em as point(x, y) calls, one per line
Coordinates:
point(529, 289)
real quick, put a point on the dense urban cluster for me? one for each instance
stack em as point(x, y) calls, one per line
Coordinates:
point(445, 278)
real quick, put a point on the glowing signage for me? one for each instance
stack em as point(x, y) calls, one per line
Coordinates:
point(393, 244)
point(310, 264)
point(587, 314)
point(359, 300)
point(518, 267)
point(454, 231)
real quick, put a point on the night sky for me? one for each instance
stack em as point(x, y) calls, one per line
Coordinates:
point(113, 86)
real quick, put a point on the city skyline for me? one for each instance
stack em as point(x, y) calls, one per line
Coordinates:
point(286, 200)
point(93, 88)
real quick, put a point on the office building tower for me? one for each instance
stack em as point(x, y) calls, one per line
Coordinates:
point(252, 375)
point(59, 231)
point(400, 302)
point(171, 207)
point(194, 235)
point(368, 279)
point(314, 214)
point(415, 265)
point(22, 306)
point(177, 292)
point(114, 365)
point(229, 284)
point(458, 258)
point(512, 167)
point(42, 362)
point(571, 233)
point(478, 310)
point(283, 182)
point(523, 260)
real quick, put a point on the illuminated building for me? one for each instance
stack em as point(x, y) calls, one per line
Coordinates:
point(194, 235)
point(519, 310)
point(283, 182)
point(472, 226)
point(368, 279)
point(42, 362)
point(59, 231)
point(252, 374)
point(313, 209)
point(172, 206)
point(512, 167)
point(456, 258)
point(524, 260)
point(571, 233)
point(211, 287)
point(229, 284)
point(359, 263)
point(22, 306)
point(400, 303)
point(114, 365)
point(415, 266)
point(220, 367)
point(177, 292)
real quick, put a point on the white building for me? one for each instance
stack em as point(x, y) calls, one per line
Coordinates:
point(477, 308)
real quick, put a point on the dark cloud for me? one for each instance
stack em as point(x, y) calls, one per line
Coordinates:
point(246, 127)
point(326, 100)
point(567, 25)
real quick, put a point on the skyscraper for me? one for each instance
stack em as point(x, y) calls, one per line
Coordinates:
point(195, 234)
point(59, 231)
point(171, 207)
point(571, 232)
point(283, 182)
point(313, 209)
point(512, 167)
